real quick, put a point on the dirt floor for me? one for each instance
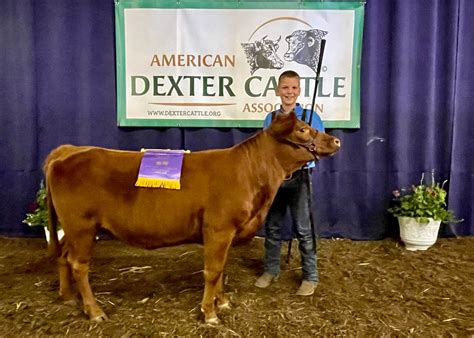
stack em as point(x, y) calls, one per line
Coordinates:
point(374, 288)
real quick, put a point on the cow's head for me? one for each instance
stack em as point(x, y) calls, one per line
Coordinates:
point(296, 42)
point(288, 129)
point(303, 46)
point(266, 54)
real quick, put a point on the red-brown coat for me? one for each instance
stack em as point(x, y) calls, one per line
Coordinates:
point(225, 195)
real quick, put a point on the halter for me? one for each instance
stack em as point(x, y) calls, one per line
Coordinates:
point(309, 145)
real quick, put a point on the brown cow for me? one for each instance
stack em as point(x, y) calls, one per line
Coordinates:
point(225, 195)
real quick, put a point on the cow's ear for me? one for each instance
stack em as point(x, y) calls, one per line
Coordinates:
point(282, 125)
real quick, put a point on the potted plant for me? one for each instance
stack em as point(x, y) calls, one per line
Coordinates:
point(39, 216)
point(420, 212)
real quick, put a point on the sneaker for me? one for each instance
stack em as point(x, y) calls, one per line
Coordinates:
point(265, 280)
point(306, 288)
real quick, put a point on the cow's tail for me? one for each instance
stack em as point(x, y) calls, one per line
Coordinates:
point(54, 248)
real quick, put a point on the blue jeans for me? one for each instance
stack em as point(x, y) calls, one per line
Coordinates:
point(293, 194)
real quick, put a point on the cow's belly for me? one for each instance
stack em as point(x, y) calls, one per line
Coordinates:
point(152, 218)
point(153, 233)
point(154, 225)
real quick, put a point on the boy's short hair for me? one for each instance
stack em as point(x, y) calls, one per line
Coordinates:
point(288, 73)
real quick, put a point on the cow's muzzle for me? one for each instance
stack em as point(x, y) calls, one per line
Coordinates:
point(329, 149)
point(332, 147)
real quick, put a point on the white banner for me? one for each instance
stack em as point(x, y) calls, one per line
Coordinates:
point(218, 67)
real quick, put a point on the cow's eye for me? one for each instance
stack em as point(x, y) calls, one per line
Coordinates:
point(302, 129)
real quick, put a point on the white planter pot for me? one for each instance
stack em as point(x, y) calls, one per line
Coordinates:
point(418, 236)
point(46, 234)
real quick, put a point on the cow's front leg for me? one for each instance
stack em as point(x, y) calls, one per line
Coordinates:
point(216, 248)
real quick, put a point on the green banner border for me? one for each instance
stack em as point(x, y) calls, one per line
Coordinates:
point(120, 5)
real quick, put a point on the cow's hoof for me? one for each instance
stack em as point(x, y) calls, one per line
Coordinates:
point(100, 318)
point(224, 306)
point(212, 321)
point(96, 314)
point(69, 298)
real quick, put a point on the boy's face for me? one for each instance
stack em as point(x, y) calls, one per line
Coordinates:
point(289, 90)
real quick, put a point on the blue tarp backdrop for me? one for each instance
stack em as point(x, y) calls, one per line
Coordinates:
point(57, 85)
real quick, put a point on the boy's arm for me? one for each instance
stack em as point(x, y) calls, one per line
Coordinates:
point(267, 121)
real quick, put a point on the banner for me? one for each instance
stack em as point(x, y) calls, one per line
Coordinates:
point(216, 64)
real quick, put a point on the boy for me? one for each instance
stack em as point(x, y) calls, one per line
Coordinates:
point(295, 194)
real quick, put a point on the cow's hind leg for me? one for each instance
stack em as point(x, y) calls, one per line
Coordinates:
point(216, 248)
point(79, 257)
point(66, 292)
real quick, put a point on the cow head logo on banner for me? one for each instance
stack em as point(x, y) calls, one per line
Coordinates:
point(302, 47)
